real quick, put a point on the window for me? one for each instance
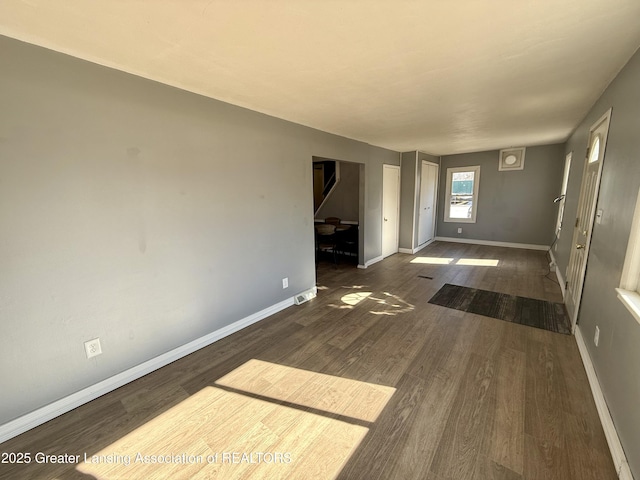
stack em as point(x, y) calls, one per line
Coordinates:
point(594, 151)
point(629, 291)
point(462, 194)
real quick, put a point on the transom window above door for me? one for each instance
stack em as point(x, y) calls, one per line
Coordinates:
point(462, 194)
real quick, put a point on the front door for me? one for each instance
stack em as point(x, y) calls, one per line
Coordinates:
point(583, 226)
point(390, 209)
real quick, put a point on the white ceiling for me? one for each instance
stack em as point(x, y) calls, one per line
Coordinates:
point(441, 76)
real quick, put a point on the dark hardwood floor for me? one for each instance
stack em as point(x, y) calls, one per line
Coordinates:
point(367, 381)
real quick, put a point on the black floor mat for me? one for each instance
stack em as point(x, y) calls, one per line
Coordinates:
point(525, 311)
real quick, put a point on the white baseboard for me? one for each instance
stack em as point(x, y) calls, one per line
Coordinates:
point(426, 244)
point(561, 282)
point(610, 432)
point(368, 263)
point(417, 249)
point(526, 246)
point(66, 404)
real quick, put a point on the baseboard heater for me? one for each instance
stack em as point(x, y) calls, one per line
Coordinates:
point(304, 297)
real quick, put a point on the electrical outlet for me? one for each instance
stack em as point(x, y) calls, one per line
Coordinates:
point(596, 337)
point(285, 282)
point(459, 229)
point(92, 348)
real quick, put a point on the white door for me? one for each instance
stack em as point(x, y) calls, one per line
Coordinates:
point(583, 226)
point(428, 183)
point(390, 209)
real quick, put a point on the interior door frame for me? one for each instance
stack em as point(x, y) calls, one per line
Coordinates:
point(563, 196)
point(606, 117)
point(397, 213)
point(435, 201)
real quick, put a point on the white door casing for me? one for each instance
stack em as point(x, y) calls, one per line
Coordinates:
point(563, 195)
point(428, 192)
point(583, 226)
point(390, 209)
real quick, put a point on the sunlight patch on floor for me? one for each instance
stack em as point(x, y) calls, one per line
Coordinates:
point(355, 298)
point(478, 262)
point(384, 303)
point(327, 393)
point(217, 433)
point(220, 434)
point(390, 304)
point(432, 260)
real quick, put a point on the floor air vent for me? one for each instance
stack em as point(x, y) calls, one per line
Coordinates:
point(304, 296)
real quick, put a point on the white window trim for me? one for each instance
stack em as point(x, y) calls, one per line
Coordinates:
point(629, 293)
point(631, 300)
point(476, 184)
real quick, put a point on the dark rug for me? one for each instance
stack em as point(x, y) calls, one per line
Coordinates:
point(522, 310)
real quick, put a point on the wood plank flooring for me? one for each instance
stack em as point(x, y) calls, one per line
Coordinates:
point(367, 381)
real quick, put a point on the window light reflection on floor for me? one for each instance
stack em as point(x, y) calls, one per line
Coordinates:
point(355, 298)
point(327, 393)
point(432, 260)
point(480, 262)
point(383, 303)
point(239, 416)
point(390, 304)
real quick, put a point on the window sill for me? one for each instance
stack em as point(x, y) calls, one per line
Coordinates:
point(631, 300)
point(459, 220)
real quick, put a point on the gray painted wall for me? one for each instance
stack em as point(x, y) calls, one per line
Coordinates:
point(143, 215)
point(343, 201)
point(407, 199)
point(514, 206)
point(617, 358)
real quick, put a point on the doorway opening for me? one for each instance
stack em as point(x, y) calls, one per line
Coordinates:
point(338, 193)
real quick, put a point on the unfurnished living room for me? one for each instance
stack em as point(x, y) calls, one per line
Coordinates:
point(314, 240)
